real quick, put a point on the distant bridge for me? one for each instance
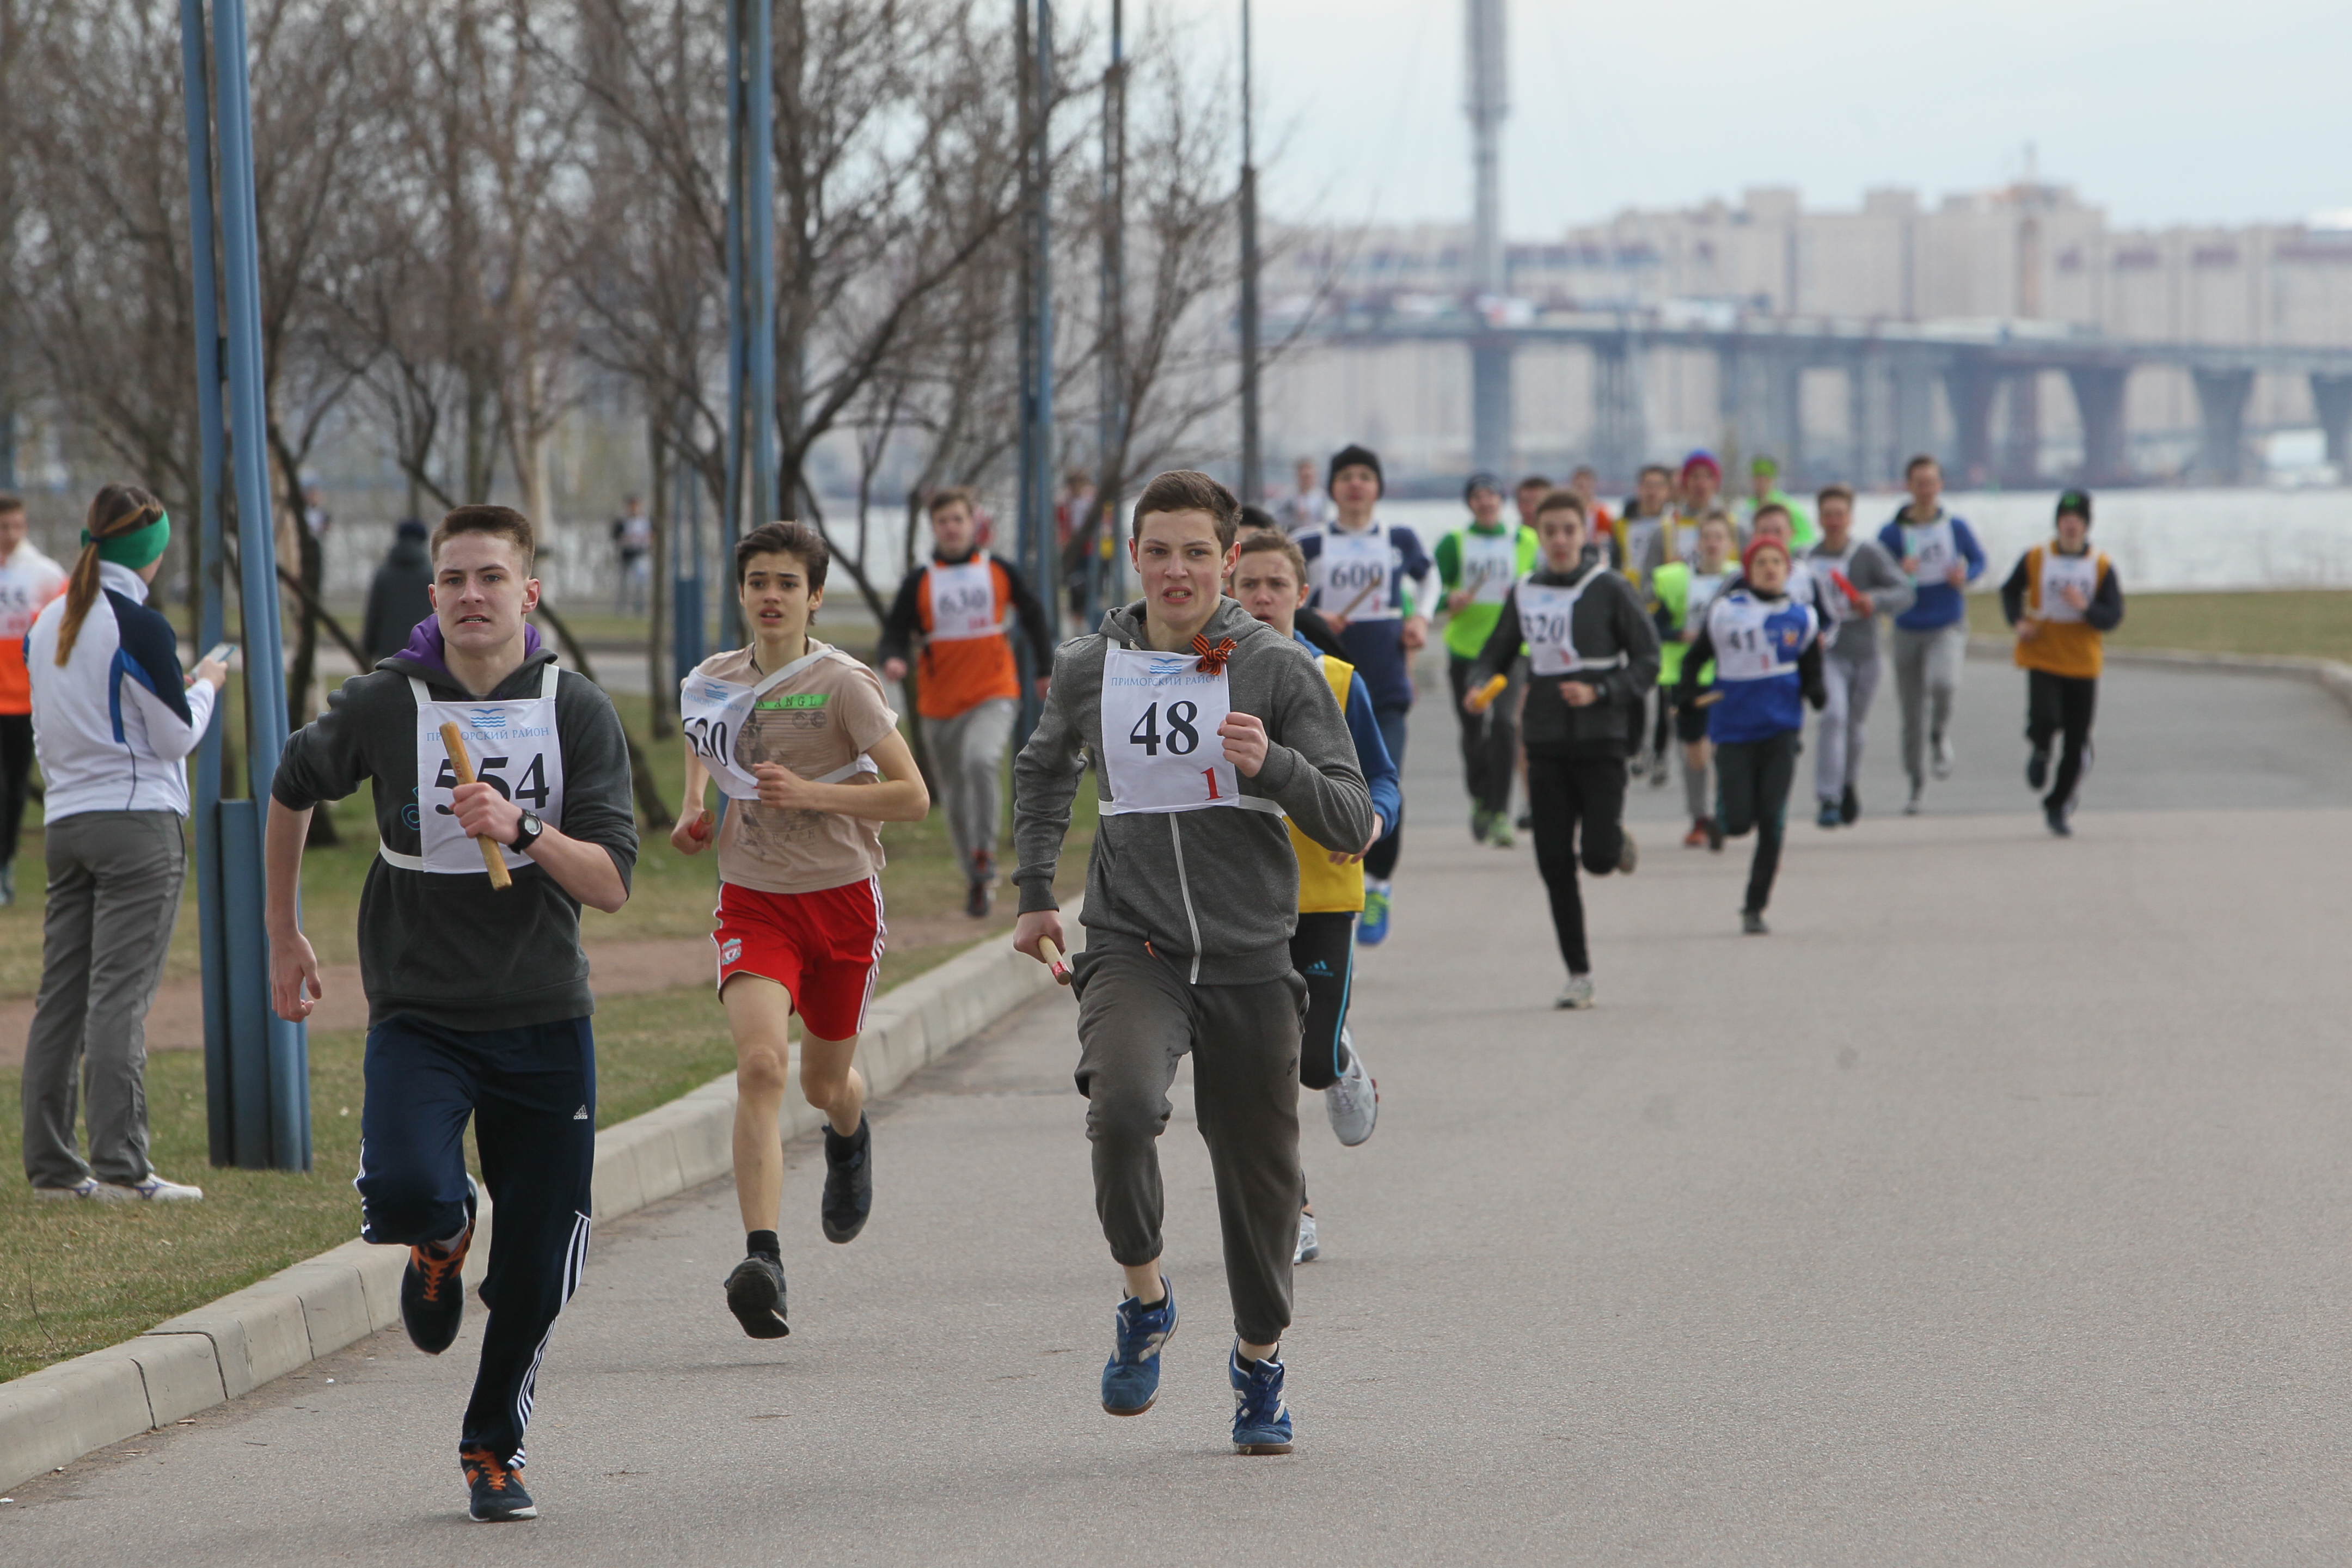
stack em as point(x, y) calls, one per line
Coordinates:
point(1761, 359)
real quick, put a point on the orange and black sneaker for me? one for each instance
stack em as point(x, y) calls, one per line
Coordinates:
point(432, 1287)
point(497, 1487)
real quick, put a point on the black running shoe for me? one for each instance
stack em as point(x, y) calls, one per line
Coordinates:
point(2055, 815)
point(848, 1182)
point(1751, 923)
point(2037, 768)
point(497, 1489)
point(755, 1294)
point(433, 1287)
point(979, 899)
point(1849, 807)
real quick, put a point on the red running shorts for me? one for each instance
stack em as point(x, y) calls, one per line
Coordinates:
point(825, 948)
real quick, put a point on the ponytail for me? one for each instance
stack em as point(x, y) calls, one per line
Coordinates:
point(115, 512)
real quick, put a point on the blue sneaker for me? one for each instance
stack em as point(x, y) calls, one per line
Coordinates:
point(1261, 1420)
point(1373, 928)
point(1130, 1379)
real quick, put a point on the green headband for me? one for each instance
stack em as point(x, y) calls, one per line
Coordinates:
point(137, 548)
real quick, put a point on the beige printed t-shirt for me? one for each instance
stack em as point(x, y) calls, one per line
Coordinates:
point(814, 722)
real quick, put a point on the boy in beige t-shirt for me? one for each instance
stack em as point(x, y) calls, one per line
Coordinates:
point(799, 894)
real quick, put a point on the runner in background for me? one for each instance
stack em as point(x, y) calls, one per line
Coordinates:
point(1529, 495)
point(1649, 509)
point(963, 606)
point(1362, 570)
point(1306, 507)
point(1205, 728)
point(1684, 590)
point(1592, 654)
point(28, 580)
point(1766, 650)
point(1940, 554)
point(1600, 529)
point(1476, 566)
point(2063, 598)
point(1763, 488)
point(1867, 585)
point(1269, 581)
point(1676, 539)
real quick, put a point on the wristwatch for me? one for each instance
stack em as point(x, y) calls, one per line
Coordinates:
point(527, 833)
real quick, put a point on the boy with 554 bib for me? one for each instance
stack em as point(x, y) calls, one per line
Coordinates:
point(477, 995)
point(1206, 727)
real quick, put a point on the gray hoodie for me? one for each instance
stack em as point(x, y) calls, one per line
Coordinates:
point(1869, 568)
point(1217, 889)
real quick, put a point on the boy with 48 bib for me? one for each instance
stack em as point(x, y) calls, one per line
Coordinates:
point(478, 997)
point(1205, 728)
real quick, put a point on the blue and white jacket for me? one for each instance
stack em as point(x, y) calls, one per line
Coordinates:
point(1767, 654)
point(114, 725)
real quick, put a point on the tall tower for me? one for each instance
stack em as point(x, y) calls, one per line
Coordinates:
point(1486, 95)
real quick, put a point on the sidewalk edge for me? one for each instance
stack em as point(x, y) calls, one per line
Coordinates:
point(2331, 676)
point(231, 1346)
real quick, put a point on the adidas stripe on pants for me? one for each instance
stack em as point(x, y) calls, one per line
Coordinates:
point(531, 1094)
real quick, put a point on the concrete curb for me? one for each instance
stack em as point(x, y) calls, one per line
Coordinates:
point(2330, 675)
point(229, 1347)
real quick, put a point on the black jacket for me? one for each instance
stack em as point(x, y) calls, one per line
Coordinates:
point(398, 598)
point(452, 949)
point(1609, 619)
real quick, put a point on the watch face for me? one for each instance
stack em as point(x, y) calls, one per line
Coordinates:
point(530, 828)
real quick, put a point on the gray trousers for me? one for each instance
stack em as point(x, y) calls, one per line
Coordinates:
point(114, 893)
point(1137, 1017)
point(968, 755)
point(1927, 678)
point(1852, 683)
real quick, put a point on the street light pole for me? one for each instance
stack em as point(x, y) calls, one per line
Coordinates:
point(1110, 439)
point(1252, 478)
point(257, 1065)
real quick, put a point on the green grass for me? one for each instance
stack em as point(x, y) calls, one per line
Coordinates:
point(77, 1277)
point(2310, 623)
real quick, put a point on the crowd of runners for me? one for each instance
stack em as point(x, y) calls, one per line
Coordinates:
point(1243, 719)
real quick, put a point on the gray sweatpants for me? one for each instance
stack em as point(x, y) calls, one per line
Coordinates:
point(1137, 1017)
point(115, 892)
point(1927, 678)
point(968, 753)
point(1851, 683)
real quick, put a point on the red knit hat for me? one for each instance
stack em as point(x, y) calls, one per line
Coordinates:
point(1747, 556)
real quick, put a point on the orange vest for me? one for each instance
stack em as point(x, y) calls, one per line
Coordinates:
point(954, 677)
point(2061, 647)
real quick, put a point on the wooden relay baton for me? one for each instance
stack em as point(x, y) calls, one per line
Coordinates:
point(1053, 956)
point(464, 768)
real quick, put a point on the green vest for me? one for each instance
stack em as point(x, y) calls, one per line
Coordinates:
point(1467, 628)
point(1672, 585)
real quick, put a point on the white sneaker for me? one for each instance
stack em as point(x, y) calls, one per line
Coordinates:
point(154, 1188)
point(1310, 1249)
point(1576, 995)
point(1354, 1102)
point(1943, 763)
point(85, 1188)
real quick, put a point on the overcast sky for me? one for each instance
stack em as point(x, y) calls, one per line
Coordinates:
point(2160, 110)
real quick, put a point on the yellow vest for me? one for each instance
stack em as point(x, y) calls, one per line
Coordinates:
point(1323, 888)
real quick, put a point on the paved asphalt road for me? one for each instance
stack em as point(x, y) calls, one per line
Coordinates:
point(1989, 1211)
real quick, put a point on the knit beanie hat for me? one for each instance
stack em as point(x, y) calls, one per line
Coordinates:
point(1747, 556)
point(1352, 455)
point(1701, 459)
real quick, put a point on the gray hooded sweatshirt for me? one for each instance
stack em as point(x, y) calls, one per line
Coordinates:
point(1216, 889)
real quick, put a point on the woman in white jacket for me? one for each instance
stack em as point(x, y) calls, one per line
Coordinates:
point(113, 720)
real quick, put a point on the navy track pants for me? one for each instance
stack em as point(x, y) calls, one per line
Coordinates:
point(531, 1094)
